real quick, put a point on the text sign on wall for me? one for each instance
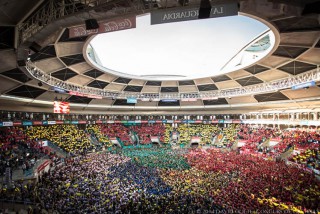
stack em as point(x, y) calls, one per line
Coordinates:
point(168, 16)
point(104, 27)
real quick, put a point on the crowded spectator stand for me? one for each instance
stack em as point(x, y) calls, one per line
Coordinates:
point(148, 131)
point(18, 150)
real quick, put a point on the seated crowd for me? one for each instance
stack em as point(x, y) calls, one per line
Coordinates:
point(117, 131)
point(229, 134)
point(309, 158)
point(205, 132)
point(299, 139)
point(97, 132)
point(256, 138)
point(68, 137)
point(145, 131)
point(18, 150)
point(167, 133)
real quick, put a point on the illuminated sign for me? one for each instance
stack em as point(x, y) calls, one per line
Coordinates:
point(61, 107)
point(131, 100)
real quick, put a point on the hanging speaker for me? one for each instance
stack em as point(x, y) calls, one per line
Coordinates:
point(205, 9)
point(91, 24)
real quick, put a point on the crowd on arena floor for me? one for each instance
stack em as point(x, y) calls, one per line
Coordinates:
point(214, 180)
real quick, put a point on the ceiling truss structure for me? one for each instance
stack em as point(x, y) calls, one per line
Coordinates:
point(266, 87)
point(60, 63)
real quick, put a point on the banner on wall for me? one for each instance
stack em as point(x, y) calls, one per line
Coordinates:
point(17, 123)
point(215, 121)
point(155, 139)
point(236, 121)
point(52, 122)
point(35, 123)
point(27, 123)
point(195, 139)
point(9, 123)
point(227, 121)
point(104, 27)
point(79, 94)
point(188, 14)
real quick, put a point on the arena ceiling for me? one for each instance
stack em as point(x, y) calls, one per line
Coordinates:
point(61, 57)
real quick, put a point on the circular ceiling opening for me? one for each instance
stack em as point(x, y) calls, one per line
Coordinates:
point(182, 50)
